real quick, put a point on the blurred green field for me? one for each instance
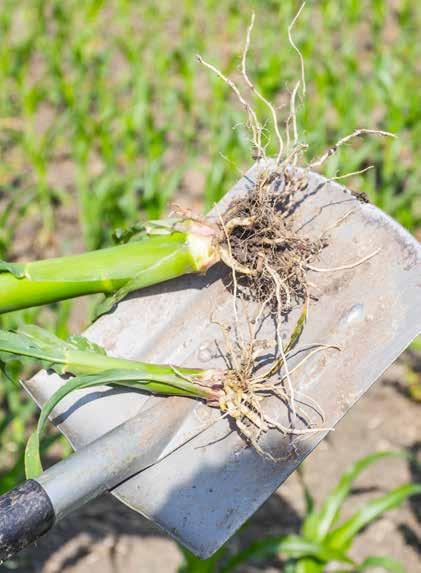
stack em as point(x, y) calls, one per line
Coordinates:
point(106, 116)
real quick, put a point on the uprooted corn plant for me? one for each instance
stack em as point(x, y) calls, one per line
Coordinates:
point(256, 237)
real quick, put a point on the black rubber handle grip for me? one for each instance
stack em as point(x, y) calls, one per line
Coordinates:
point(26, 513)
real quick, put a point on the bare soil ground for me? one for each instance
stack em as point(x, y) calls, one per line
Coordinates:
point(108, 537)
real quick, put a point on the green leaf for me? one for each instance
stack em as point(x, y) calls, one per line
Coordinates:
point(33, 341)
point(133, 233)
point(299, 327)
point(16, 269)
point(166, 226)
point(342, 537)
point(153, 379)
point(292, 546)
point(40, 336)
point(308, 498)
point(316, 526)
point(309, 565)
point(193, 564)
point(82, 343)
point(140, 230)
point(33, 465)
point(27, 343)
point(297, 547)
point(290, 566)
point(258, 550)
point(387, 563)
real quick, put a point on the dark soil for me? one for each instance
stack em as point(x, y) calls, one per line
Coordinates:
point(260, 236)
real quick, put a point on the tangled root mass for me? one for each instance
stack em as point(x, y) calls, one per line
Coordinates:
point(260, 241)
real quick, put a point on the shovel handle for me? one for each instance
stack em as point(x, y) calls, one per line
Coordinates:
point(32, 508)
point(26, 513)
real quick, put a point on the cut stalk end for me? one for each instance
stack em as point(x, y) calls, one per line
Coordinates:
point(202, 239)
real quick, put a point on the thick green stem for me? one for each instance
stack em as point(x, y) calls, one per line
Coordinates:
point(159, 378)
point(123, 268)
point(93, 367)
point(78, 356)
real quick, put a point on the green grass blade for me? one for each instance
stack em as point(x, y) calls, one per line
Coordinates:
point(342, 537)
point(193, 564)
point(297, 547)
point(78, 355)
point(132, 233)
point(292, 546)
point(155, 380)
point(387, 563)
point(308, 498)
point(33, 465)
point(140, 230)
point(309, 565)
point(23, 344)
point(258, 550)
point(54, 352)
point(40, 336)
point(290, 567)
point(83, 344)
point(16, 269)
point(316, 526)
point(299, 327)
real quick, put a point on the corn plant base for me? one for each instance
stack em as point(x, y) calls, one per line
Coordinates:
point(203, 491)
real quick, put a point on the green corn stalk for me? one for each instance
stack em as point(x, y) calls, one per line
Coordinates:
point(92, 367)
point(153, 253)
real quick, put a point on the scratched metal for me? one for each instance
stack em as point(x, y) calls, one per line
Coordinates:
point(202, 492)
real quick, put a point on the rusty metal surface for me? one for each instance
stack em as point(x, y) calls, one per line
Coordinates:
point(203, 492)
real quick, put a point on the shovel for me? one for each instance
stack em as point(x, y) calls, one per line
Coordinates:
point(177, 461)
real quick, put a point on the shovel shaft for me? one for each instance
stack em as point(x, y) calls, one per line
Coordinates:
point(109, 460)
point(30, 510)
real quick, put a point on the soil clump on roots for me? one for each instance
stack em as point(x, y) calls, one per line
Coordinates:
point(260, 243)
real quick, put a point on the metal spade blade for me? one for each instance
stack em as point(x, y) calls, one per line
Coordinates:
point(203, 491)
